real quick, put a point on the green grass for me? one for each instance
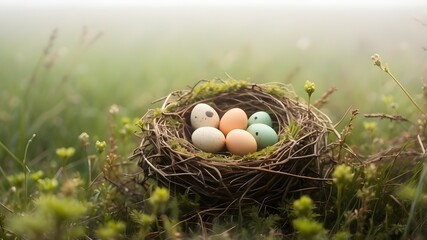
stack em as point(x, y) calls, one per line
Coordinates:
point(131, 69)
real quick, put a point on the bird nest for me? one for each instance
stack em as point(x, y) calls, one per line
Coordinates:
point(293, 164)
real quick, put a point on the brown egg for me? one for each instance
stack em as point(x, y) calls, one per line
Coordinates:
point(240, 142)
point(234, 118)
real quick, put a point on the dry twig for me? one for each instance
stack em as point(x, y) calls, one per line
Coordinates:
point(325, 97)
point(386, 116)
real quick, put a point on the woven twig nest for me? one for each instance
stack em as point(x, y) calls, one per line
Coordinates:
point(292, 164)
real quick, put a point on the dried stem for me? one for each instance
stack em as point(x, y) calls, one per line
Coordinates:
point(324, 98)
point(387, 116)
point(376, 59)
point(406, 92)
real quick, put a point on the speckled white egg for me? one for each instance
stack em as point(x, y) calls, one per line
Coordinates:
point(204, 115)
point(208, 139)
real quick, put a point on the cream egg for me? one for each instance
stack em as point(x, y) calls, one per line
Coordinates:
point(208, 139)
point(240, 142)
point(203, 115)
point(234, 118)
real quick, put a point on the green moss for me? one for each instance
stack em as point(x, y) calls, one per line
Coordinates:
point(177, 145)
point(172, 122)
point(54, 217)
point(204, 155)
point(280, 90)
point(171, 107)
point(216, 156)
point(157, 112)
point(258, 154)
point(212, 88)
point(275, 90)
point(292, 130)
point(111, 230)
point(64, 209)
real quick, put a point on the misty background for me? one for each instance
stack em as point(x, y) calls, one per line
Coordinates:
point(147, 50)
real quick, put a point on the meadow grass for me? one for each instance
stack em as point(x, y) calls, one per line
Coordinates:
point(85, 188)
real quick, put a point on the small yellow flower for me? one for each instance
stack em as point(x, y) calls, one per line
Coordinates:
point(47, 184)
point(370, 126)
point(309, 87)
point(17, 179)
point(100, 146)
point(125, 120)
point(342, 175)
point(65, 153)
point(37, 175)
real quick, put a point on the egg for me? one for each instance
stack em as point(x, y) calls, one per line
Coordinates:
point(240, 142)
point(260, 117)
point(208, 139)
point(204, 115)
point(263, 134)
point(234, 118)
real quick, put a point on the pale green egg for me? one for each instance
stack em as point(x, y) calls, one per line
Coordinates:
point(261, 117)
point(264, 135)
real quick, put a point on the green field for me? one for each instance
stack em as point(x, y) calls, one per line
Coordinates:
point(130, 56)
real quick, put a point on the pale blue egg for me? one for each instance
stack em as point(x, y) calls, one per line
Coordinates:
point(261, 117)
point(263, 134)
